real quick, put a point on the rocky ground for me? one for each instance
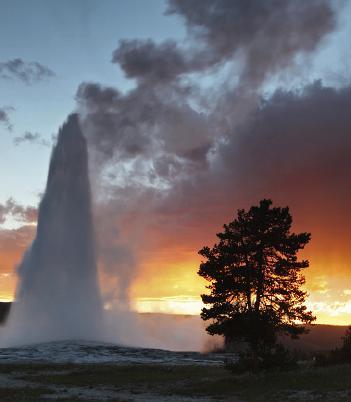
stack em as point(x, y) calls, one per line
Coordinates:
point(97, 352)
point(73, 371)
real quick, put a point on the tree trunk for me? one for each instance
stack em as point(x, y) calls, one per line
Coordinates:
point(260, 284)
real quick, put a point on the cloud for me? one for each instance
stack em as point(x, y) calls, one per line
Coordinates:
point(27, 72)
point(32, 138)
point(263, 37)
point(144, 59)
point(4, 116)
point(13, 243)
point(294, 148)
point(154, 124)
point(173, 159)
point(19, 212)
point(306, 128)
point(166, 113)
point(267, 36)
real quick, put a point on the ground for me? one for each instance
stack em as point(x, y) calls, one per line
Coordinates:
point(172, 383)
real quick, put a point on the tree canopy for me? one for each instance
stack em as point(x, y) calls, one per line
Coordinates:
point(255, 278)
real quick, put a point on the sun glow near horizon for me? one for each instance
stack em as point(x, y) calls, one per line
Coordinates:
point(334, 313)
point(179, 293)
point(181, 305)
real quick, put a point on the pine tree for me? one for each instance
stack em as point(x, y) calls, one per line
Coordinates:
point(255, 279)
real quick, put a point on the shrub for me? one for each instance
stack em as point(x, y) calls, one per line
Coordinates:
point(337, 356)
point(272, 359)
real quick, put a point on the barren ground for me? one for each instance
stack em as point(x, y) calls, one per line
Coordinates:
point(149, 382)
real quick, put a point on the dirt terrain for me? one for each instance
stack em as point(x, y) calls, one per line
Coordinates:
point(86, 371)
point(148, 382)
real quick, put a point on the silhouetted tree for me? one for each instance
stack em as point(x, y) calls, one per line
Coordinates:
point(255, 279)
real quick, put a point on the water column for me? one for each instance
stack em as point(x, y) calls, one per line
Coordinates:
point(58, 294)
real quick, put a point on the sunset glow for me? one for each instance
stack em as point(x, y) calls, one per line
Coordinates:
point(165, 293)
point(186, 305)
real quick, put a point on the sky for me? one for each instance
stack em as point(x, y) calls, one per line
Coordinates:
point(192, 109)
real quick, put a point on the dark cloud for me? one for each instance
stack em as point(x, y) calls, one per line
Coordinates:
point(295, 149)
point(32, 138)
point(166, 116)
point(302, 133)
point(115, 122)
point(4, 116)
point(26, 214)
point(27, 72)
point(266, 35)
point(145, 59)
point(176, 158)
point(147, 122)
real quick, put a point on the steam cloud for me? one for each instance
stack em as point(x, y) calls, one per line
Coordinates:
point(184, 151)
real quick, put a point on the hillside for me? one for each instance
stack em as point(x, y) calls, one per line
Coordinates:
point(320, 338)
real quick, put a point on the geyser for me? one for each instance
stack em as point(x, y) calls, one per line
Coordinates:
point(58, 295)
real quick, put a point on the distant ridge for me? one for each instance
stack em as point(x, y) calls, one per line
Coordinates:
point(322, 337)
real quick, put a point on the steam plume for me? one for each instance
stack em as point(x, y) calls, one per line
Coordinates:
point(58, 295)
point(164, 144)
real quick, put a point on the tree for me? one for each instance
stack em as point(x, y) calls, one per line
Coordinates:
point(255, 279)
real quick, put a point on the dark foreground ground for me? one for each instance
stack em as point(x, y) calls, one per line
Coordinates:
point(83, 371)
point(148, 382)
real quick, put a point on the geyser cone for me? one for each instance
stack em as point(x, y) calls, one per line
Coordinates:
point(58, 294)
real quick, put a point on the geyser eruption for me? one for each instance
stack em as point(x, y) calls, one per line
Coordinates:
point(58, 295)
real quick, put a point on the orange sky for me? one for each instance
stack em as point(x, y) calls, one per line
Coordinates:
point(166, 280)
